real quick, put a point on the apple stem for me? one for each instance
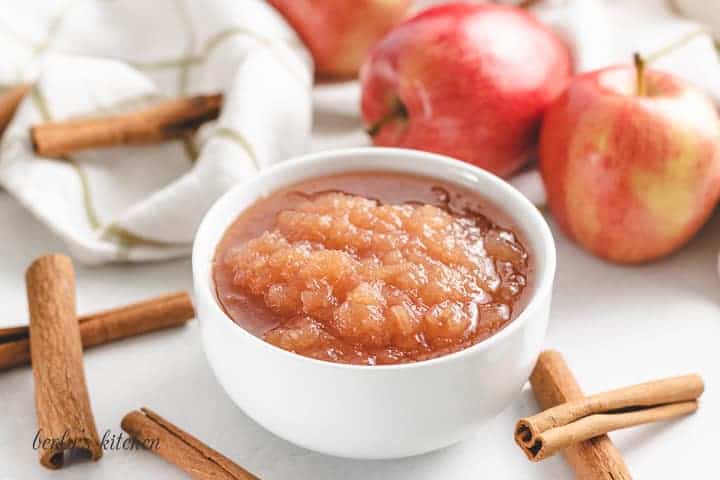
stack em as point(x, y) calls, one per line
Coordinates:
point(639, 74)
point(396, 112)
point(527, 3)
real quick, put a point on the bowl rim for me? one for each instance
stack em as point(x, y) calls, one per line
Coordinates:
point(544, 281)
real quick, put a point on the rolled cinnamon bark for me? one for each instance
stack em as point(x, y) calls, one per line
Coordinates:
point(65, 419)
point(9, 101)
point(9, 334)
point(180, 448)
point(595, 459)
point(150, 315)
point(548, 443)
point(544, 434)
point(164, 121)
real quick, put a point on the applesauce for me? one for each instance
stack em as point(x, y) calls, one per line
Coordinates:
point(372, 268)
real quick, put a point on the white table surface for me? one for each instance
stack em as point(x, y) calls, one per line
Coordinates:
point(615, 325)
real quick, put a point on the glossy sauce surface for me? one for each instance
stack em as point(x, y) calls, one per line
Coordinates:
point(372, 268)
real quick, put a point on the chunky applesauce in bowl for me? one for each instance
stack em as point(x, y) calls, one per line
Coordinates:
point(372, 268)
point(373, 303)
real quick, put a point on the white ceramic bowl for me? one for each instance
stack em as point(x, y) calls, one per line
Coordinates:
point(384, 411)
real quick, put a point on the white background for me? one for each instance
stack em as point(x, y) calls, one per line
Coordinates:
point(615, 325)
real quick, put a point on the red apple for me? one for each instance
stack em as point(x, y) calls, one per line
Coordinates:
point(466, 80)
point(631, 162)
point(340, 33)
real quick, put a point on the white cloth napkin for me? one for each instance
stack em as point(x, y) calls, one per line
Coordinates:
point(143, 203)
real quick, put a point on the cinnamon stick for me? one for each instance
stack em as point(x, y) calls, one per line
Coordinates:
point(9, 102)
point(180, 448)
point(542, 435)
point(103, 327)
point(164, 121)
point(65, 419)
point(594, 459)
point(8, 334)
point(548, 443)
